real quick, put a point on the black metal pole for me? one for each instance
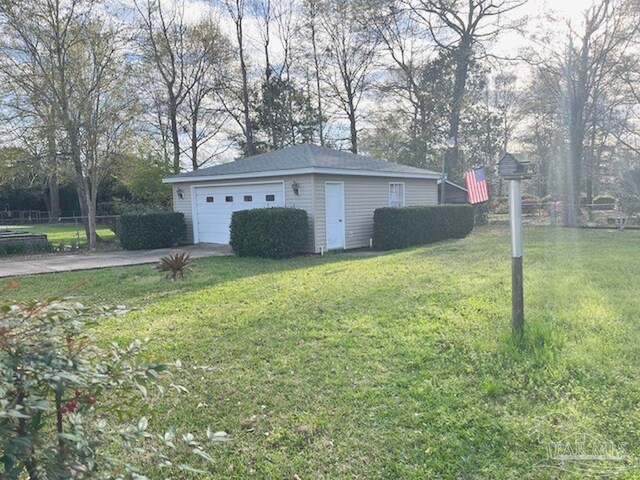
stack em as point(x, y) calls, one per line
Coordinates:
point(517, 296)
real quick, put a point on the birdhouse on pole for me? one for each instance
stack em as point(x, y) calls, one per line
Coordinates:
point(515, 171)
point(511, 169)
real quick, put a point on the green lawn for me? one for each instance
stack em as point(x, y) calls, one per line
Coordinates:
point(65, 233)
point(395, 366)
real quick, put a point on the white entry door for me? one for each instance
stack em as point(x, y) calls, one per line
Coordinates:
point(334, 205)
point(214, 206)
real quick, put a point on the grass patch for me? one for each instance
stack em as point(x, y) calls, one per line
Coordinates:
point(392, 366)
point(65, 233)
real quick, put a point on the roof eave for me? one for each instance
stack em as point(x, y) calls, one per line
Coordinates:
point(452, 184)
point(301, 171)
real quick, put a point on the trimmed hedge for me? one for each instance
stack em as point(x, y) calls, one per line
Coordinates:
point(408, 226)
point(269, 232)
point(603, 202)
point(139, 231)
point(24, 248)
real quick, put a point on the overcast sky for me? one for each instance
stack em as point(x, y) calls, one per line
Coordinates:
point(510, 43)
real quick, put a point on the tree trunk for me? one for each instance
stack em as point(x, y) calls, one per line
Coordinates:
point(54, 188)
point(92, 214)
point(248, 131)
point(54, 198)
point(175, 134)
point(353, 130)
point(194, 138)
point(572, 174)
point(351, 114)
point(82, 187)
point(83, 200)
point(460, 81)
point(316, 63)
point(269, 94)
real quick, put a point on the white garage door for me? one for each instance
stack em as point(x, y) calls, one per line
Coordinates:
point(214, 206)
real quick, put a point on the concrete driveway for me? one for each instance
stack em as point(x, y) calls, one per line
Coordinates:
point(86, 261)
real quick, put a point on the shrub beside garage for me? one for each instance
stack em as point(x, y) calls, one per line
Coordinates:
point(409, 226)
point(269, 232)
point(140, 231)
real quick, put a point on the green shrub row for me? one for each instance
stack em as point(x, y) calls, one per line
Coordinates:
point(408, 226)
point(603, 202)
point(269, 232)
point(25, 248)
point(140, 231)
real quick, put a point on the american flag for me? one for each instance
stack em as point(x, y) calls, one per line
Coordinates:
point(477, 190)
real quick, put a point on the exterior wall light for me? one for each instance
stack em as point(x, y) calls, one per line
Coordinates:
point(180, 193)
point(295, 187)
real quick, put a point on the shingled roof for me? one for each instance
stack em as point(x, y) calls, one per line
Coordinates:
point(305, 158)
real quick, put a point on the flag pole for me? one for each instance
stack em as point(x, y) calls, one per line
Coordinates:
point(443, 180)
point(451, 143)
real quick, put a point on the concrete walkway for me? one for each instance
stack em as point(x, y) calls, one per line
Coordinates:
point(86, 261)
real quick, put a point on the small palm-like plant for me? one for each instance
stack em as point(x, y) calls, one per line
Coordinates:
point(175, 265)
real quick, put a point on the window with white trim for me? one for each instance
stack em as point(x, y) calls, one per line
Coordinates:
point(396, 195)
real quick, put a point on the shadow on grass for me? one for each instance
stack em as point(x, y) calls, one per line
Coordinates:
point(539, 344)
point(142, 284)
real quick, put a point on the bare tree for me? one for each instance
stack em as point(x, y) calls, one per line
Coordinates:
point(204, 117)
point(414, 86)
point(582, 74)
point(310, 9)
point(32, 124)
point(351, 51)
point(236, 10)
point(162, 47)
point(77, 57)
point(462, 29)
point(543, 126)
point(186, 59)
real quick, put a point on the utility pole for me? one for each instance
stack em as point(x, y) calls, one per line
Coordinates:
point(443, 183)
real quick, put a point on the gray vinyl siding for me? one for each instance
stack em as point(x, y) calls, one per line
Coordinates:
point(184, 205)
point(304, 201)
point(363, 195)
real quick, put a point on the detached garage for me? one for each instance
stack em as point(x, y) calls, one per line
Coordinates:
point(339, 190)
point(215, 204)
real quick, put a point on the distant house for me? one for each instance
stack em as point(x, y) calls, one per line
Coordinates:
point(339, 190)
point(453, 193)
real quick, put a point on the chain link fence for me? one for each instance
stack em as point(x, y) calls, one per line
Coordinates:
point(600, 215)
point(35, 217)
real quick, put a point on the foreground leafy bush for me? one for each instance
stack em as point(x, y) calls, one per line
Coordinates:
point(404, 227)
point(603, 202)
point(62, 397)
point(269, 232)
point(140, 231)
